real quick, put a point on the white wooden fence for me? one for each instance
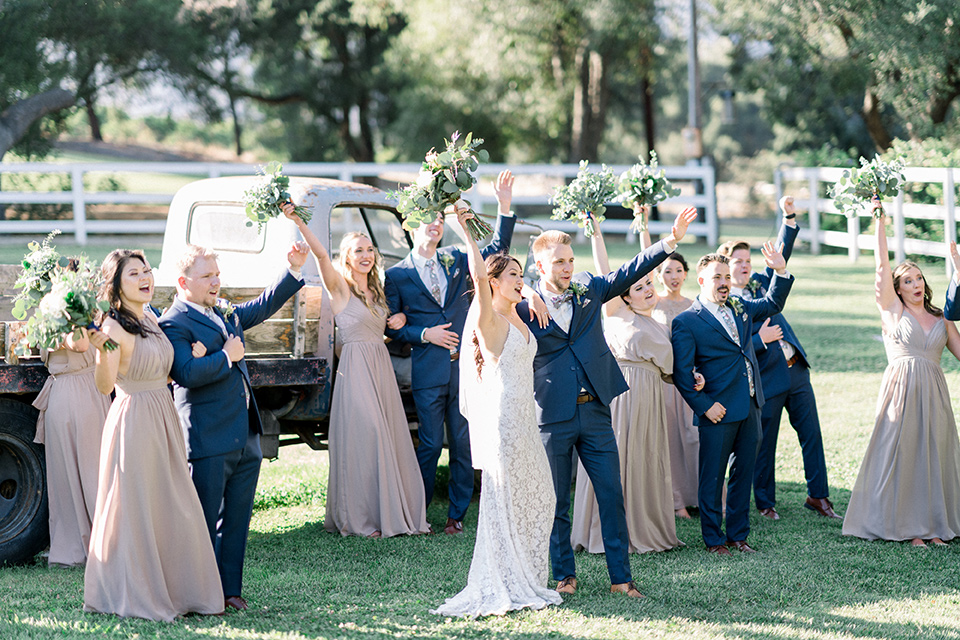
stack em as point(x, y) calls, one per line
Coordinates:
point(80, 226)
point(810, 180)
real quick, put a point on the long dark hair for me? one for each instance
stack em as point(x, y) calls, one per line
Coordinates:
point(901, 271)
point(112, 271)
point(496, 265)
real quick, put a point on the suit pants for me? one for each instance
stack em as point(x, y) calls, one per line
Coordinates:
point(436, 405)
point(591, 432)
point(226, 485)
point(801, 406)
point(717, 442)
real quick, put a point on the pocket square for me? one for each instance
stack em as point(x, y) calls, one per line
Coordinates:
point(456, 273)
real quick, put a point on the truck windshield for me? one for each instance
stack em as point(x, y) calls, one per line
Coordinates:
point(381, 225)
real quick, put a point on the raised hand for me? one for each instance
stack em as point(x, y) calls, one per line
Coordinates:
point(773, 257)
point(786, 205)
point(297, 256)
point(503, 188)
point(876, 207)
point(955, 259)
point(681, 224)
point(642, 210)
point(770, 333)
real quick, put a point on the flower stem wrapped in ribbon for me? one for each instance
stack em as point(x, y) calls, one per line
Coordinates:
point(875, 179)
point(34, 281)
point(584, 197)
point(264, 200)
point(441, 182)
point(69, 306)
point(645, 185)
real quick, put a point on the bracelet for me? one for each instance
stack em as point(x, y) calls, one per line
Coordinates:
point(790, 216)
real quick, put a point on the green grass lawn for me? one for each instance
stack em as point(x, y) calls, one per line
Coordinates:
point(807, 581)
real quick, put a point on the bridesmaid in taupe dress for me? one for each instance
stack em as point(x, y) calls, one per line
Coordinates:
point(150, 554)
point(72, 412)
point(374, 488)
point(908, 487)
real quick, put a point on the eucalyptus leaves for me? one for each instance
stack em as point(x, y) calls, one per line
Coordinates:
point(585, 196)
point(34, 280)
point(263, 201)
point(443, 178)
point(645, 185)
point(857, 187)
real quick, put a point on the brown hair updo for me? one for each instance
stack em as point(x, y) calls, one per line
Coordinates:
point(112, 271)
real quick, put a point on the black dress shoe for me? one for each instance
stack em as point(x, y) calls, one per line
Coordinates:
point(823, 506)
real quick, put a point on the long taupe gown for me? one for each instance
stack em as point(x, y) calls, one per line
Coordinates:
point(683, 436)
point(72, 412)
point(909, 481)
point(374, 482)
point(150, 553)
point(643, 351)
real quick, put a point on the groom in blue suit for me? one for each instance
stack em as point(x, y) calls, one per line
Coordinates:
point(432, 288)
point(575, 379)
point(713, 336)
point(214, 399)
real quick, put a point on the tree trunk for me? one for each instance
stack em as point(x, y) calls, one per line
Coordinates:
point(646, 90)
point(871, 117)
point(90, 107)
point(16, 120)
point(237, 127)
point(590, 98)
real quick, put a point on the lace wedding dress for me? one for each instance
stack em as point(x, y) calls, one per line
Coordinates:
point(510, 558)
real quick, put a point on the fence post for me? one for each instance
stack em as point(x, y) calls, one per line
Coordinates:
point(899, 233)
point(853, 230)
point(813, 185)
point(713, 224)
point(949, 220)
point(79, 205)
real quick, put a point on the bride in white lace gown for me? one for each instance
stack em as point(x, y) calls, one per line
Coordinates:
point(510, 558)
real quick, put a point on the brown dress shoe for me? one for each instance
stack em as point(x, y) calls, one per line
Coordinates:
point(567, 586)
point(741, 546)
point(770, 512)
point(235, 602)
point(719, 549)
point(628, 588)
point(822, 506)
point(453, 527)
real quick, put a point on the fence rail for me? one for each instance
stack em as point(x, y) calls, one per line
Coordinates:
point(899, 211)
point(702, 194)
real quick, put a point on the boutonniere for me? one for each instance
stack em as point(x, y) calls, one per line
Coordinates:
point(226, 309)
point(736, 305)
point(579, 290)
point(753, 285)
point(447, 261)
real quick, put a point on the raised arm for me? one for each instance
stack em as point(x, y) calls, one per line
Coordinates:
point(335, 284)
point(491, 329)
point(643, 211)
point(601, 263)
point(887, 301)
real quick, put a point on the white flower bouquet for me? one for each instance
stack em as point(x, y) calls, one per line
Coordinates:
point(875, 179)
point(70, 305)
point(263, 201)
point(34, 281)
point(645, 184)
point(441, 182)
point(585, 196)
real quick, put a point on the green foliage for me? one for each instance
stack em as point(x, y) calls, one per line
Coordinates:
point(443, 178)
point(645, 185)
point(263, 200)
point(585, 196)
point(35, 278)
point(874, 179)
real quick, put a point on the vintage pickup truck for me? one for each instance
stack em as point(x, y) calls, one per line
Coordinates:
point(290, 357)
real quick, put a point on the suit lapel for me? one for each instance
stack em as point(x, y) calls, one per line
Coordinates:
point(196, 316)
point(704, 314)
point(449, 274)
point(414, 276)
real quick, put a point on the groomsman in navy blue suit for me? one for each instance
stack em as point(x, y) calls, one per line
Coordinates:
point(714, 336)
point(432, 288)
point(575, 379)
point(785, 373)
point(951, 310)
point(214, 399)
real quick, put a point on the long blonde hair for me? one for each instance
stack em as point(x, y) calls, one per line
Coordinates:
point(373, 278)
point(900, 271)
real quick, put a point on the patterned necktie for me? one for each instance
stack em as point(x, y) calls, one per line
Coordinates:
point(728, 320)
point(434, 280)
point(560, 299)
point(210, 313)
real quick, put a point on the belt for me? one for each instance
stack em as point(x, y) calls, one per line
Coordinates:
point(793, 360)
point(584, 398)
point(454, 356)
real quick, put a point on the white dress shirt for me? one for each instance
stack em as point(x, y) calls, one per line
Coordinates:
point(563, 314)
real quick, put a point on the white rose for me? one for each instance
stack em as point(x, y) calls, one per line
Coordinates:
point(54, 304)
point(424, 179)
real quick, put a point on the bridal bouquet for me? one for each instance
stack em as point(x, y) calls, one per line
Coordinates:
point(264, 200)
point(584, 197)
point(34, 280)
point(70, 305)
point(854, 190)
point(645, 184)
point(443, 177)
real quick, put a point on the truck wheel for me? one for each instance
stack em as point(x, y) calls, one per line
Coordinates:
point(24, 527)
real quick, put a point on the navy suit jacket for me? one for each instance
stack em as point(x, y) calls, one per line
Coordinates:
point(405, 292)
point(951, 310)
point(701, 341)
point(773, 366)
point(209, 394)
point(565, 362)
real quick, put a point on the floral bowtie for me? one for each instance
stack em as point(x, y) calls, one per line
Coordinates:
point(560, 299)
